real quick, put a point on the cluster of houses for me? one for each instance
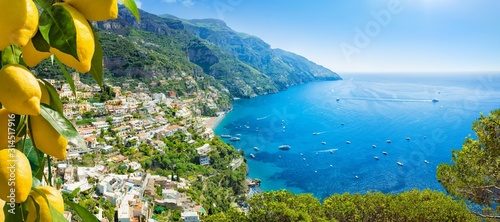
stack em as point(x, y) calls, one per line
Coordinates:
point(133, 117)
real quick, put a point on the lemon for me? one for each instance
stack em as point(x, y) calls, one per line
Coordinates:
point(54, 198)
point(19, 22)
point(46, 138)
point(2, 215)
point(96, 10)
point(4, 129)
point(31, 56)
point(85, 45)
point(15, 176)
point(19, 90)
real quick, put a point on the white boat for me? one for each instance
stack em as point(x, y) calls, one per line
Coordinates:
point(234, 139)
point(388, 141)
point(238, 134)
point(407, 138)
point(256, 148)
point(374, 146)
point(315, 133)
point(399, 163)
point(337, 99)
point(324, 143)
point(225, 136)
point(426, 162)
point(348, 142)
point(435, 100)
point(385, 153)
point(251, 155)
point(376, 157)
point(284, 147)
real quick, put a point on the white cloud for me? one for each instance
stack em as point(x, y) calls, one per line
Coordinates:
point(138, 3)
point(187, 3)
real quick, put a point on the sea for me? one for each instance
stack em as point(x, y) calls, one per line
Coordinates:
point(339, 131)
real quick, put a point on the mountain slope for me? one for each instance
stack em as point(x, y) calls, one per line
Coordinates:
point(167, 45)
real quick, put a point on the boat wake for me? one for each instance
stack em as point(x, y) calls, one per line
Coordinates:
point(265, 117)
point(327, 151)
point(392, 99)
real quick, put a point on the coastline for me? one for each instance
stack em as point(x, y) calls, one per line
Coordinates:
point(213, 122)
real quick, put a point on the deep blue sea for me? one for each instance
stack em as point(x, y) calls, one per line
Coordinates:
point(366, 110)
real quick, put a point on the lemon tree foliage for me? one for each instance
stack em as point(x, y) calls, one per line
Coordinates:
point(33, 129)
point(475, 174)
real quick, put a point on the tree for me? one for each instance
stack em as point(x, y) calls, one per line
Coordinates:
point(475, 174)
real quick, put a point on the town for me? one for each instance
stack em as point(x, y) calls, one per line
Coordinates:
point(126, 167)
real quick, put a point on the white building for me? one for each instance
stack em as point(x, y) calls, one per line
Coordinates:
point(203, 154)
point(190, 216)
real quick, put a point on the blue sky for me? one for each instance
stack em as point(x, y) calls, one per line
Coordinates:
point(364, 35)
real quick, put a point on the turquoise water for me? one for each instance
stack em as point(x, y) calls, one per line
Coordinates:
point(370, 110)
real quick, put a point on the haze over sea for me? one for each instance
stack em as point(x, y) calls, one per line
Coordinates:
point(371, 109)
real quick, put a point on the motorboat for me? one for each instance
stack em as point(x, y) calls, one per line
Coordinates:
point(385, 153)
point(388, 141)
point(348, 142)
point(251, 155)
point(225, 136)
point(234, 139)
point(374, 146)
point(284, 147)
point(399, 163)
point(376, 157)
point(256, 148)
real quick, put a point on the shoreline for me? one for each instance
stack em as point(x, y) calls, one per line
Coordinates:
point(213, 122)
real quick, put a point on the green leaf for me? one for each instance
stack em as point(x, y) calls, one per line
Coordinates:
point(13, 214)
point(32, 154)
point(132, 7)
point(11, 55)
point(55, 101)
point(58, 29)
point(66, 75)
point(39, 42)
point(96, 68)
point(82, 212)
point(44, 3)
point(56, 215)
point(62, 125)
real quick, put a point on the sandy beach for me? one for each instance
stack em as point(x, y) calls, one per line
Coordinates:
point(212, 122)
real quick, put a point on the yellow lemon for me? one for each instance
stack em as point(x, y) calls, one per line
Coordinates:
point(5, 138)
point(46, 138)
point(2, 215)
point(19, 90)
point(15, 176)
point(19, 22)
point(31, 56)
point(85, 45)
point(55, 199)
point(96, 10)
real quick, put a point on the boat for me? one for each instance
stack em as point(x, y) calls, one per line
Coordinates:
point(399, 163)
point(315, 133)
point(426, 162)
point(301, 154)
point(337, 99)
point(388, 141)
point(284, 147)
point(376, 157)
point(256, 148)
point(304, 158)
point(225, 136)
point(251, 155)
point(324, 143)
point(331, 151)
point(374, 146)
point(407, 138)
point(348, 142)
point(234, 139)
point(435, 100)
point(238, 134)
point(385, 153)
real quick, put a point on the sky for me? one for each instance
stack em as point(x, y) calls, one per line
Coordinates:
point(363, 35)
